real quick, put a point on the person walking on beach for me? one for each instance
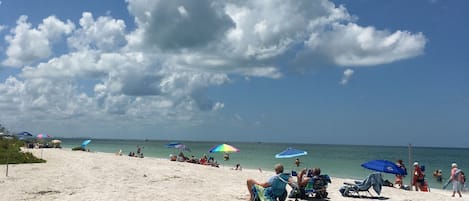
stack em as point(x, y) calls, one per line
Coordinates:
point(456, 179)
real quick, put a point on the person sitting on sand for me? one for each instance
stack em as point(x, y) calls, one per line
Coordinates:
point(192, 160)
point(237, 167)
point(203, 160)
point(181, 157)
point(172, 157)
point(270, 182)
point(304, 177)
point(226, 156)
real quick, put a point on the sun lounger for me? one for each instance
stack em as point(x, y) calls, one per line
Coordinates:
point(374, 180)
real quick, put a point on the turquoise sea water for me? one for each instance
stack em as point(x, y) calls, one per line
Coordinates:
point(336, 160)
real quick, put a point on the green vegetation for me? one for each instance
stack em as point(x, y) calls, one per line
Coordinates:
point(10, 151)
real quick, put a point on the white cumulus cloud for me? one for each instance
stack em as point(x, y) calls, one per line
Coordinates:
point(27, 44)
point(158, 72)
point(346, 76)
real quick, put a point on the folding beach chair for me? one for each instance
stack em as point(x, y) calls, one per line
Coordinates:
point(374, 180)
point(274, 192)
point(315, 188)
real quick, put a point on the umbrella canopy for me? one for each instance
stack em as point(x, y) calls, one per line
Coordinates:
point(40, 136)
point(24, 134)
point(182, 147)
point(290, 153)
point(384, 166)
point(56, 141)
point(172, 144)
point(223, 148)
point(86, 142)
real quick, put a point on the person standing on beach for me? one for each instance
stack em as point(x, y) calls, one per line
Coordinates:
point(399, 177)
point(417, 177)
point(456, 179)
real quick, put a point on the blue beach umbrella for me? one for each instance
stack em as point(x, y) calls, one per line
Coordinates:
point(384, 166)
point(86, 142)
point(290, 153)
point(172, 144)
point(182, 147)
point(24, 135)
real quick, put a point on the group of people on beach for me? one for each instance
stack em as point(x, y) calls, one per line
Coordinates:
point(204, 160)
point(138, 154)
point(456, 178)
point(302, 179)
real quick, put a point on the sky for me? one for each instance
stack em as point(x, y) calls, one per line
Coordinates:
point(316, 72)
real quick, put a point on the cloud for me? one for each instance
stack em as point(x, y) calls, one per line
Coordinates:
point(105, 33)
point(27, 44)
point(159, 71)
point(180, 24)
point(346, 77)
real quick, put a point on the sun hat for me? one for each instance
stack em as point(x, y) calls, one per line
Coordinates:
point(416, 163)
point(454, 165)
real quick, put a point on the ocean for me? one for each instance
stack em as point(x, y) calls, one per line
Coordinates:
point(342, 161)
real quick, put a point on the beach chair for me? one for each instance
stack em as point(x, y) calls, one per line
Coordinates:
point(315, 188)
point(275, 192)
point(374, 180)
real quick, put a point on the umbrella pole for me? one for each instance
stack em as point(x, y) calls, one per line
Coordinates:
point(8, 156)
point(410, 164)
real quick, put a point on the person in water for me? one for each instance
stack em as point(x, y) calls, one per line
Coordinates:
point(438, 175)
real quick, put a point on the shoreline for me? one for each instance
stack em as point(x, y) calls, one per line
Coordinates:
point(77, 175)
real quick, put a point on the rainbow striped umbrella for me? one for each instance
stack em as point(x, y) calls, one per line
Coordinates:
point(223, 148)
point(40, 136)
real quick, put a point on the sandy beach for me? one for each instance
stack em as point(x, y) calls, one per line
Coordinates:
point(77, 175)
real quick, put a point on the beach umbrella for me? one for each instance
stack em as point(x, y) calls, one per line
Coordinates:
point(56, 141)
point(172, 144)
point(290, 153)
point(182, 147)
point(24, 135)
point(86, 142)
point(223, 148)
point(41, 135)
point(384, 166)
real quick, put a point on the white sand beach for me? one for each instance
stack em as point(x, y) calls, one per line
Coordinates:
point(77, 175)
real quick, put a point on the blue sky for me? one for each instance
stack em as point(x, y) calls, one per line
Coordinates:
point(328, 72)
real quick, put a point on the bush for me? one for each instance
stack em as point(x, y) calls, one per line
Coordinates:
point(10, 151)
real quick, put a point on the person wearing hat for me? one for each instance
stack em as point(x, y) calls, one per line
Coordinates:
point(455, 179)
point(418, 177)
